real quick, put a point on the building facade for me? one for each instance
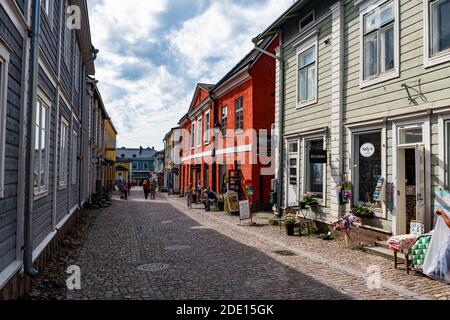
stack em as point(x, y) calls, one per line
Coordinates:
point(171, 167)
point(141, 163)
point(44, 132)
point(367, 83)
point(110, 147)
point(226, 137)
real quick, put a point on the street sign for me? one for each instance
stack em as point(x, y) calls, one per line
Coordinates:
point(318, 156)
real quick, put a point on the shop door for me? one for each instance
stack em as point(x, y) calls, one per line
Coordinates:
point(293, 181)
point(420, 183)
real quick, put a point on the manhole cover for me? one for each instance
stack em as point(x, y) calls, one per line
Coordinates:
point(153, 267)
point(178, 248)
point(285, 253)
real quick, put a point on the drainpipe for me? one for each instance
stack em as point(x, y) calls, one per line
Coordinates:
point(34, 67)
point(280, 59)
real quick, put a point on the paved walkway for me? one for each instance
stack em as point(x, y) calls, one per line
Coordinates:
point(200, 255)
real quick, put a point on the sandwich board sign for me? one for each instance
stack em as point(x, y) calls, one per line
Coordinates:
point(232, 202)
point(244, 210)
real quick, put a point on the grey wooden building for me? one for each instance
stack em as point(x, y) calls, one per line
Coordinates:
point(366, 81)
point(46, 55)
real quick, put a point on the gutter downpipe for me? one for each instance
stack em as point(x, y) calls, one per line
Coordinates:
point(280, 59)
point(34, 67)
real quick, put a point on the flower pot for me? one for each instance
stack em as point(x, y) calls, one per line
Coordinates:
point(290, 229)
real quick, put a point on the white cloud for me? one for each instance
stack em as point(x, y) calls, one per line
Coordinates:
point(147, 95)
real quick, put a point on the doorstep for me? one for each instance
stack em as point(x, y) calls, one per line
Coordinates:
point(383, 252)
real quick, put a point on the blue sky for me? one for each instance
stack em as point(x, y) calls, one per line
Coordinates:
point(153, 52)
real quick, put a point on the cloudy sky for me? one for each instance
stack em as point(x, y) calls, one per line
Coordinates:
point(153, 52)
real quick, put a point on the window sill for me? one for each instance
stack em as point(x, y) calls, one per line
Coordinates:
point(379, 79)
point(304, 104)
point(39, 194)
point(436, 60)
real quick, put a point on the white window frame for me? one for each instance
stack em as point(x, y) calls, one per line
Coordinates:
point(305, 163)
point(74, 145)
point(47, 6)
point(309, 41)
point(207, 133)
point(236, 110)
point(67, 36)
point(199, 132)
point(5, 52)
point(42, 190)
point(193, 134)
point(63, 153)
point(379, 213)
point(313, 13)
point(224, 118)
point(395, 73)
point(443, 56)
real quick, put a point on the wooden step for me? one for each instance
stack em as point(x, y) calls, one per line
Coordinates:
point(384, 252)
point(382, 244)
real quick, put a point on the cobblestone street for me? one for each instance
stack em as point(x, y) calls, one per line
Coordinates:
point(198, 255)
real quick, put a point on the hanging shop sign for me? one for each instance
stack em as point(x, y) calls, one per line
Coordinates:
point(318, 156)
point(367, 150)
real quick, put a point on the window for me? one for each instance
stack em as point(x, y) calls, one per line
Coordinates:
point(437, 19)
point(307, 75)
point(135, 165)
point(193, 135)
point(411, 135)
point(74, 156)
point(199, 131)
point(314, 172)
point(293, 147)
point(67, 37)
point(4, 64)
point(41, 148)
point(447, 153)
point(47, 6)
point(239, 114)
point(293, 169)
point(207, 127)
point(368, 167)
point(379, 41)
point(145, 165)
point(63, 153)
point(224, 120)
point(307, 20)
point(77, 68)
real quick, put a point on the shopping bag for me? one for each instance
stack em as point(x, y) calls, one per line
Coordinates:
point(437, 260)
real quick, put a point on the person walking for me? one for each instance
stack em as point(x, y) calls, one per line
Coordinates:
point(189, 196)
point(125, 190)
point(130, 186)
point(120, 187)
point(153, 190)
point(146, 187)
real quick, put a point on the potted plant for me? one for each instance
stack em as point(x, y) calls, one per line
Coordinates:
point(363, 211)
point(308, 200)
point(289, 225)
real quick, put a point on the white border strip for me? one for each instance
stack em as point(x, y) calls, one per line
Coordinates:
point(9, 273)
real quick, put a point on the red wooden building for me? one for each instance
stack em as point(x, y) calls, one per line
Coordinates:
point(226, 140)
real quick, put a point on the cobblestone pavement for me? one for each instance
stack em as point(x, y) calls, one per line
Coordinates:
point(211, 256)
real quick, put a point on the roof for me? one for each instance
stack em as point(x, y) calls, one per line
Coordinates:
point(246, 62)
point(135, 154)
point(206, 86)
point(278, 22)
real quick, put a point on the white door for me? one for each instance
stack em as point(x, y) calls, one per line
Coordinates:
point(293, 181)
point(420, 183)
point(401, 193)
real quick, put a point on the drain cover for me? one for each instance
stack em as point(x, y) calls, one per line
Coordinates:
point(178, 248)
point(285, 253)
point(153, 267)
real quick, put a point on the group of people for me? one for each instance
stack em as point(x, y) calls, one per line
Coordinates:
point(207, 197)
point(149, 189)
point(124, 188)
